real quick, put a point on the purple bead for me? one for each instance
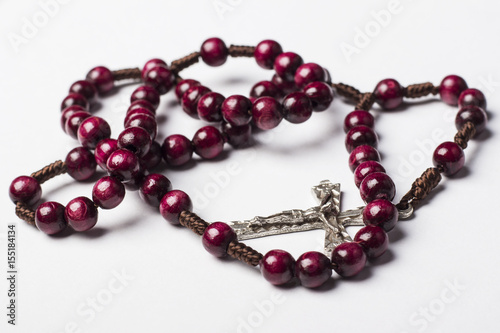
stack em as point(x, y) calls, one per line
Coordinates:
point(146, 93)
point(150, 64)
point(214, 52)
point(68, 112)
point(152, 158)
point(472, 97)
point(184, 86)
point(74, 99)
point(236, 110)
point(297, 107)
point(286, 65)
point(377, 185)
point(373, 240)
point(141, 104)
point(84, 88)
point(277, 267)
point(313, 269)
point(360, 135)
point(208, 142)
point(26, 190)
point(143, 121)
point(191, 98)
point(160, 78)
point(307, 73)
point(366, 168)
point(388, 94)
point(209, 107)
point(103, 150)
point(49, 217)
point(177, 150)
point(267, 113)
point(73, 122)
point(320, 94)
point(80, 163)
point(92, 130)
point(449, 156)
point(173, 204)
point(108, 192)
point(286, 87)
point(450, 89)
point(135, 183)
point(238, 136)
point(358, 118)
point(475, 115)
point(136, 111)
point(362, 154)
point(102, 79)
point(135, 139)
point(123, 164)
point(217, 237)
point(265, 88)
point(81, 214)
point(348, 259)
point(266, 52)
point(381, 213)
point(153, 188)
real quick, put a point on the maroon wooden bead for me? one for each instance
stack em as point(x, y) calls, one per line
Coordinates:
point(266, 52)
point(153, 188)
point(136, 111)
point(297, 107)
point(388, 94)
point(135, 139)
point(208, 142)
point(143, 121)
point(141, 104)
point(184, 86)
point(152, 158)
point(286, 65)
point(49, 218)
point(360, 135)
point(320, 94)
point(191, 98)
point(373, 239)
point(135, 183)
point(81, 214)
point(108, 192)
point(74, 121)
point(123, 164)
point(265, 88)
point(214, 52)
point(68, 112)
point(307, 73)
point(84, 88)
point(377, 185)
point(361, 154)
point(160, 78)
point(381, 213)
point(472, 97)
point(146, 93)
point(238, 136)
point(173, 204)
point(217, 237)
point(277, 267)
point(348, 259)
point(236, 110)
point(286, 87)
point(26, 190)
point(449, 156)
point(74, 99)
point(358, 118)
point(80, 163)
point(450, 89)
point(366, 168)
point(102, 79)
point(177, 150)
point(103, 150)
point(313, 269)
point(92, 130)
point(150, 64)
point(209, 107)
point(473, 114)
point(267, 113)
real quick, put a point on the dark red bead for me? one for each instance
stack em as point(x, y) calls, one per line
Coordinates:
point(208, 142)
point(81, 214)
point(173, 204)
point(146, 93)
point(84, 88)
point(381, 213)
point(388, 94)
point(160, 78)
point(450, 89)
point(144, 121)
point(152, 158)
point(153, 188)
point(74, 99)
point(184, 86)
point(473, 114)
point(141, 104)
point(373, 239)
point(135, 183)
point(267, 113)
point(92, 130)
point(313, 269)
point(286, 87)
point(236, 110)
point(103, 150)
point(265, 88)
point(135, 139)
point(320, 94)
point(49, 218)
point(214, 52)
point(238, 136)
point(177, 150)
point(209, 107)
point(217, 237)
point(136, 111)
point(123, 164)
point(358, 118)
point(377, 185)
point(297, 107)
point(80, 163)
point(108, 192)
point(449, 156)
point(191, 98)
point(286, 65)
point(277, 267)
point(360, 135)
point(102, 79)
point(366, 168)
point(68, 112)
point(348, 259)
point(362, 154)
point(73, 122)
point(150, 64)
point(307, 73)
point(472, 97)
point(266, 52)
point(26, 190)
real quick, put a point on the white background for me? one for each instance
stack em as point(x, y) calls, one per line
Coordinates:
point(173, 285)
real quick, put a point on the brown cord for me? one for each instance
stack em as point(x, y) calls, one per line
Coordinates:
point(420, 188)
point(420, 90)
point(25, 213)
point(128, 73)
point(347, 91)
point(465, 134)
point(244, 253)
point(193, 222)
point(184, 62)
point(366, 101)
point(241, 51)
point(50, 171)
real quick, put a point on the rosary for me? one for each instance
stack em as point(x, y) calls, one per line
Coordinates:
point(296, 90)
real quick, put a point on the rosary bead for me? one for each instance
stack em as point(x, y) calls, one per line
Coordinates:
point(472, 97)
point(184, 86)
point(92, 130)
point(297, 107)
point(389, 94)
point(320, 94)
point(266, 52)
point(286, 87)
point(74, 99)
point(152, 158)
point(150, 64)
point(267, 113)
point(286, 64)
point(377, 185)
point(360, 135)
point(277, 267)
point(80, 163)
point(214, 52)
point(265, 88)
point(238, 136)
point(144, 121)
point(49, 217)
point(381, 213)
point(123, 164)
point(358, 118)
point(160, 78)
point(81, 214)
point(208, 142)
point(146, 93)
point(450, 156)
point(135, 183)
point(307, 73)
point(348, 259)
point(173, 204)
point(108, 192)
point(66, 113)
point(177, 150)
point(209, 107)
point(135, 139)
point(103, 150)
point(373, 239)
point(153, 189)
point(450, 89)
point(136, 111)
point(313, 269)
point(362, 154)
point(141, 104)
point(102, 79)
point(26, 190)
point(474, 114)
point(84, 88)
point(73, 122)
point(366, 168)
point(236, 110)
point(217, 237)
point(191, 98)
